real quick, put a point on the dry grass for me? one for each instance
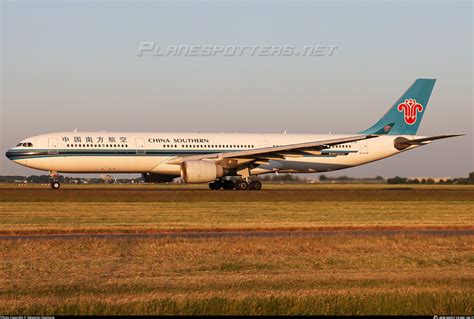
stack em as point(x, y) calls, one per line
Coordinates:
point(293, 275)
point(21, 218)
point(200, 193)
point(148, 208)
point(397, 275)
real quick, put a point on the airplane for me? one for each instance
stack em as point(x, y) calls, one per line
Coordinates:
point(211, 157)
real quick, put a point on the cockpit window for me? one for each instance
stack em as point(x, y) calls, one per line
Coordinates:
point(28, 144)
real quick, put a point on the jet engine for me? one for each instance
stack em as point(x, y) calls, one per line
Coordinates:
point(200, 171)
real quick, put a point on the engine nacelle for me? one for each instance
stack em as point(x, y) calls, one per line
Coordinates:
point(200, 171)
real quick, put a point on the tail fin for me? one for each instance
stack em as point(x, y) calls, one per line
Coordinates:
point(404, 117)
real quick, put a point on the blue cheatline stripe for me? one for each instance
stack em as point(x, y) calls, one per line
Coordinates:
point(147, 151)
point(338, 151)
point(43, 153)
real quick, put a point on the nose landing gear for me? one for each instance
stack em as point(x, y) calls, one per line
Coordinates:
point(55, 185)
point(55, 180)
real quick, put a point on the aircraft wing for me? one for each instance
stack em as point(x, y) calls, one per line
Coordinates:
point(236, 158)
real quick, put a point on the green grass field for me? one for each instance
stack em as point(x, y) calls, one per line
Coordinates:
point(343, 274)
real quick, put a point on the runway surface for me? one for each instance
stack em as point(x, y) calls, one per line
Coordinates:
point(256, 234)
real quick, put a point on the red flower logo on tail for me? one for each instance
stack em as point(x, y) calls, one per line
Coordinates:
point(410, 109)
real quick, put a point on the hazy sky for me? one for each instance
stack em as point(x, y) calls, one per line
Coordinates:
point(74, 64)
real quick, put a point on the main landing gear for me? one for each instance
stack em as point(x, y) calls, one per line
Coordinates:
point(54, 180)
point(239, 185)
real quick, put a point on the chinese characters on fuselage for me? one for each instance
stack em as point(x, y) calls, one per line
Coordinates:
point(96, 139)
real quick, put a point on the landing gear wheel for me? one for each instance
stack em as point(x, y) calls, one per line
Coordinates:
point(229, 185)
point(242, 185)
point(55, 185)
point(215, 185)
point(256, 185)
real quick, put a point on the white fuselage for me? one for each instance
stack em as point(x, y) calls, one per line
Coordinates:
point(120, 152)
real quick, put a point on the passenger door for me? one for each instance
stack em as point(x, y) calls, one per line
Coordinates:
point(266, 142)
point(364, 147)
point(52, 146)
point(140, 146)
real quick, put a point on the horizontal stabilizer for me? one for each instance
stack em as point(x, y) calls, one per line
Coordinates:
point(402, 143)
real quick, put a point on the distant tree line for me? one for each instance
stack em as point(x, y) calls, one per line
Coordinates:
point(45, 179)
point(404, 180)
point(324, 178)
point(281, 178)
